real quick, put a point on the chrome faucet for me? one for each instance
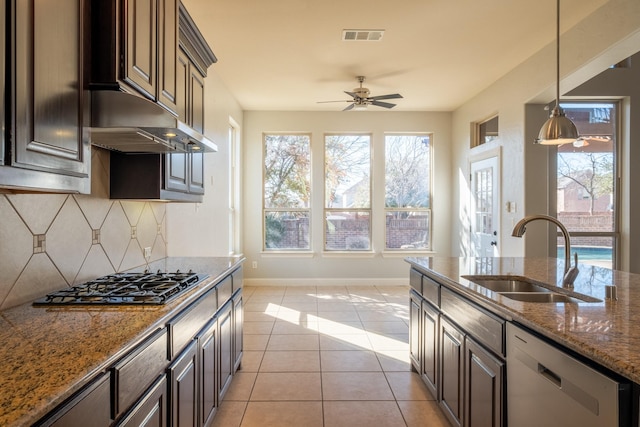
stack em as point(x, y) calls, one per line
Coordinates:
point(570, 272)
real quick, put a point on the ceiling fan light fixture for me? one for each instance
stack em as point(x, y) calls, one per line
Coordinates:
point(559, 129)
point(360, 107)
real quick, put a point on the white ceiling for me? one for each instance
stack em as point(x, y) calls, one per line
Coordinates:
point(288, 54)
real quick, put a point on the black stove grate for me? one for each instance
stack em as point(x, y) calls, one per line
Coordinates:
point(125, 288)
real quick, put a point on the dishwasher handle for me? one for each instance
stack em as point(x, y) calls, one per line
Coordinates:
point(551, 376)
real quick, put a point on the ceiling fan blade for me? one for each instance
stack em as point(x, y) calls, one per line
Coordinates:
point(390, 96)
point(342, 100)
point(349, 107)
point(383, 104)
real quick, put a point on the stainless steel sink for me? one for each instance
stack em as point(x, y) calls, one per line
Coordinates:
point(506, 284)
point(525, 290)
point(540, 297)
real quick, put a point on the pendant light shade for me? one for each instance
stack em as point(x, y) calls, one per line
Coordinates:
point(559, 129)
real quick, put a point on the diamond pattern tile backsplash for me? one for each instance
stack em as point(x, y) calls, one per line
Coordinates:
point(50, 241)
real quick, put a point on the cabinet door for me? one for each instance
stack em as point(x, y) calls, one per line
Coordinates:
point(47, 132)
point(182, 87)
point(184, 388)
point(151, 410)
point(208, 344)
point(177, 172)
point(141, 45)
point(238, 318)
point(168, 53)
point(225, 325)
point(430, 324)
point(196, 173)
point(196, 86)
point(414, 331)
point(484, 387)
point(451, 371)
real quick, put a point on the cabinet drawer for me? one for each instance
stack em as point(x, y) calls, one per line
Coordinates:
point(238, 277)
point(225, 289)
point(133, 374)
point(483, 326)
point(186, 325)
point(88, 408)
point(415, 280)
point(431, 291)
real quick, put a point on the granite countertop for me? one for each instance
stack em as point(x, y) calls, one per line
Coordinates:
point(48, 353)
point(604, 331)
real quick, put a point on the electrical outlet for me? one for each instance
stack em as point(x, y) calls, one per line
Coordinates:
point(147, 253)
point(254, 264)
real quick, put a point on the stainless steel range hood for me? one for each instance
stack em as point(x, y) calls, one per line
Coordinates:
point(130, 124)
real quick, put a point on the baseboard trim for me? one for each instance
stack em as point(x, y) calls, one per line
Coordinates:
point(403, 281)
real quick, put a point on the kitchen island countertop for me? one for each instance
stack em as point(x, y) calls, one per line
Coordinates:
point(606, 332)
point(49, 352)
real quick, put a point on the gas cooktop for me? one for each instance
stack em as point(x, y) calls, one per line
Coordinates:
point(125, 288)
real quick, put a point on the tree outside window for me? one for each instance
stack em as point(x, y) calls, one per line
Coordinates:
point(408, 192)
point(347, 192)
point(287, 191)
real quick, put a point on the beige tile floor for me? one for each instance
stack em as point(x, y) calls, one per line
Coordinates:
point(327, 356)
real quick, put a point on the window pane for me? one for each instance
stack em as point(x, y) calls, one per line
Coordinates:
point(286, 230)
point(586, 172)
point(287, 171)
point(407, 171)
point(347, 231)
point(408, 230)
point(591, 250)
point(347, 160)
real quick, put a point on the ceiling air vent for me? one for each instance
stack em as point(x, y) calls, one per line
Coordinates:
point(362, 35)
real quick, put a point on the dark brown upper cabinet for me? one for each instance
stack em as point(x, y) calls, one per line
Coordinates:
point(46, 146)
point(135, 48)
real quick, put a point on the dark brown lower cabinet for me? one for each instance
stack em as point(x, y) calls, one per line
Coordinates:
point(238, 321)
point(414, 331)
point(90, 407)
point(151, 409)
point(183, 391)
point(208, 398)
point(429, 335)
point(225, 329)
point(451, 370)
point(484, 379)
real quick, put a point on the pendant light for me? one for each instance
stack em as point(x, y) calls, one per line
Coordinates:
point(559, 129)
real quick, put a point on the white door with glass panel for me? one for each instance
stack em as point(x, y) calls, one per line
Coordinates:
point(485, 203)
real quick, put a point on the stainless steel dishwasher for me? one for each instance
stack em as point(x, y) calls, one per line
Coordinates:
point(548, 387)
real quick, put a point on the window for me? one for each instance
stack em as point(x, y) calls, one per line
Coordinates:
point(234, 193)
point(347, 206)
point(408, 192)
point(586, 183)
point(485, 132)
point(287, 191)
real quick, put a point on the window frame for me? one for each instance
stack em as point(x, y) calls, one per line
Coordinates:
point(265, 210)
point(369, 210)
point(428, 210)
point(614, 234)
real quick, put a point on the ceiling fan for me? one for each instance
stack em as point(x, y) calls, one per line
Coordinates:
point(361, 99)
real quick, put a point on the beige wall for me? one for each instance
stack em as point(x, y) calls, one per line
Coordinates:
point(329, 268)
point(518, 98)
